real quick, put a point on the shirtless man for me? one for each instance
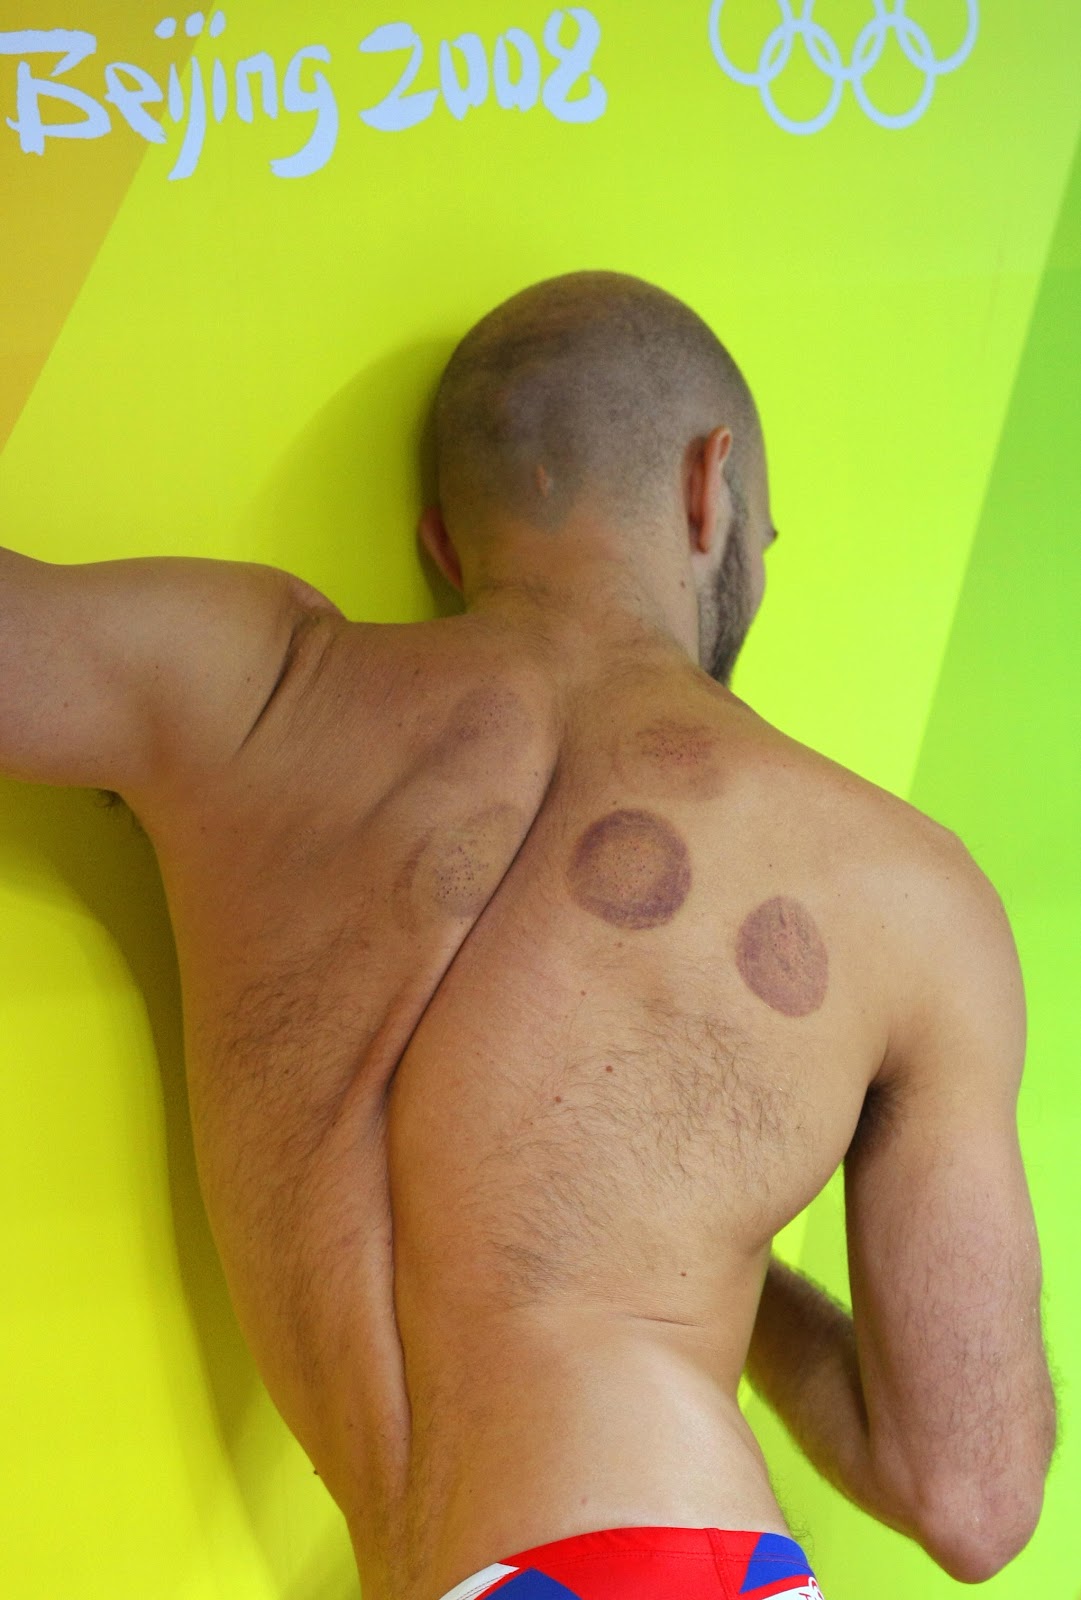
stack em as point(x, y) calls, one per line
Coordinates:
point(532, 982)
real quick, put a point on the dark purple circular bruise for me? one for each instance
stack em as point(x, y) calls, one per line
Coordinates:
point(782, 958)
point(631, 869)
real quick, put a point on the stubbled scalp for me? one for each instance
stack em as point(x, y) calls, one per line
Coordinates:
point(631, 869)
point(678, 758)
point(600, 380)
point(782, 958)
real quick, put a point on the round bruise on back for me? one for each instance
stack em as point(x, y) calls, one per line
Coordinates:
point(456, 870)
point(492, 711)
point(782, 958)
point(674, 757)
point(631, 869)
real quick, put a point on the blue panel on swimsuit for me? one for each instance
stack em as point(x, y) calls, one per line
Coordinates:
point(530, 1585)
point(775, 1557)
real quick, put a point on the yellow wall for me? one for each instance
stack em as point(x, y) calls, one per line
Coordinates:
point(238, 364)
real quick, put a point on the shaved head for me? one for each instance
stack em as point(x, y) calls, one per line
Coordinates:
point(584, 390)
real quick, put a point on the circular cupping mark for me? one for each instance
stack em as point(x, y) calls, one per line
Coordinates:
point(673, 758)
point(631, 869)
point(782, 958)
point(456, 870)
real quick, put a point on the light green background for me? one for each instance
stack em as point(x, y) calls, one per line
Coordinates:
point(246, 373)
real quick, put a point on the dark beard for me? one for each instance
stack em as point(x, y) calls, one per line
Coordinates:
point(726, 612)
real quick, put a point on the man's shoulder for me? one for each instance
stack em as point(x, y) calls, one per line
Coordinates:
point(916, 875)
point(859, 807)
point(940, 917)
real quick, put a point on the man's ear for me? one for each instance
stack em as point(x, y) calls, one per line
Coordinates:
point(432, 531)
point(706, 490)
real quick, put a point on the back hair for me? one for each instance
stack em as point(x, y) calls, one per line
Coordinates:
point(589, 387)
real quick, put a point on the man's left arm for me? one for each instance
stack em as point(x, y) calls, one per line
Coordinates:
point(123, 675)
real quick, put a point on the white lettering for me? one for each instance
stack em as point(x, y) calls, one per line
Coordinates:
point(129, 102)
point(475, 93)
point(574, 63)
point(399, 110)
point(73, 47)
point(524, 94)
point(320, 147)
point(467, 72)
point(262, 64)
point(176, 95)
point(195, 133)
point(220, 92)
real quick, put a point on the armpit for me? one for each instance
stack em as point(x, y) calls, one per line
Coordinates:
point(880, 1107)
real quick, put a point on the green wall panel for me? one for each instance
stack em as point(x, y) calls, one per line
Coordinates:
point(1000, 764)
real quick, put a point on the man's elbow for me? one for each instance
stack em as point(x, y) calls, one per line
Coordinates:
point(972, 1540)
point(975, 1528)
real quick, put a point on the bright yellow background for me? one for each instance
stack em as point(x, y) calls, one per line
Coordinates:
point(244, 373)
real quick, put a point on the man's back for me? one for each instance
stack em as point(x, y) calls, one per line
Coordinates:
point(532, 983)
point(526, 999)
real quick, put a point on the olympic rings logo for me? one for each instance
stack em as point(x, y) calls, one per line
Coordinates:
point(889, 18)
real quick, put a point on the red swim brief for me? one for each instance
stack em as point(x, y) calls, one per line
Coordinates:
point(651, 1564)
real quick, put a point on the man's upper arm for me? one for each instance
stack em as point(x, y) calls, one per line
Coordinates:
point(944, 1259)
point(121, 674)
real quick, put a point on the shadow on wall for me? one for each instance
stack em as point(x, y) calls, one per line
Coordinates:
point(341, 506)
point(104, 860)
point(339, 509)
point(65, 843)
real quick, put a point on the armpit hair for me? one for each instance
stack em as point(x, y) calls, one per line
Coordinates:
point(108, 800)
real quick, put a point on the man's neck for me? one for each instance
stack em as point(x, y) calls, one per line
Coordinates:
point(581, 591)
